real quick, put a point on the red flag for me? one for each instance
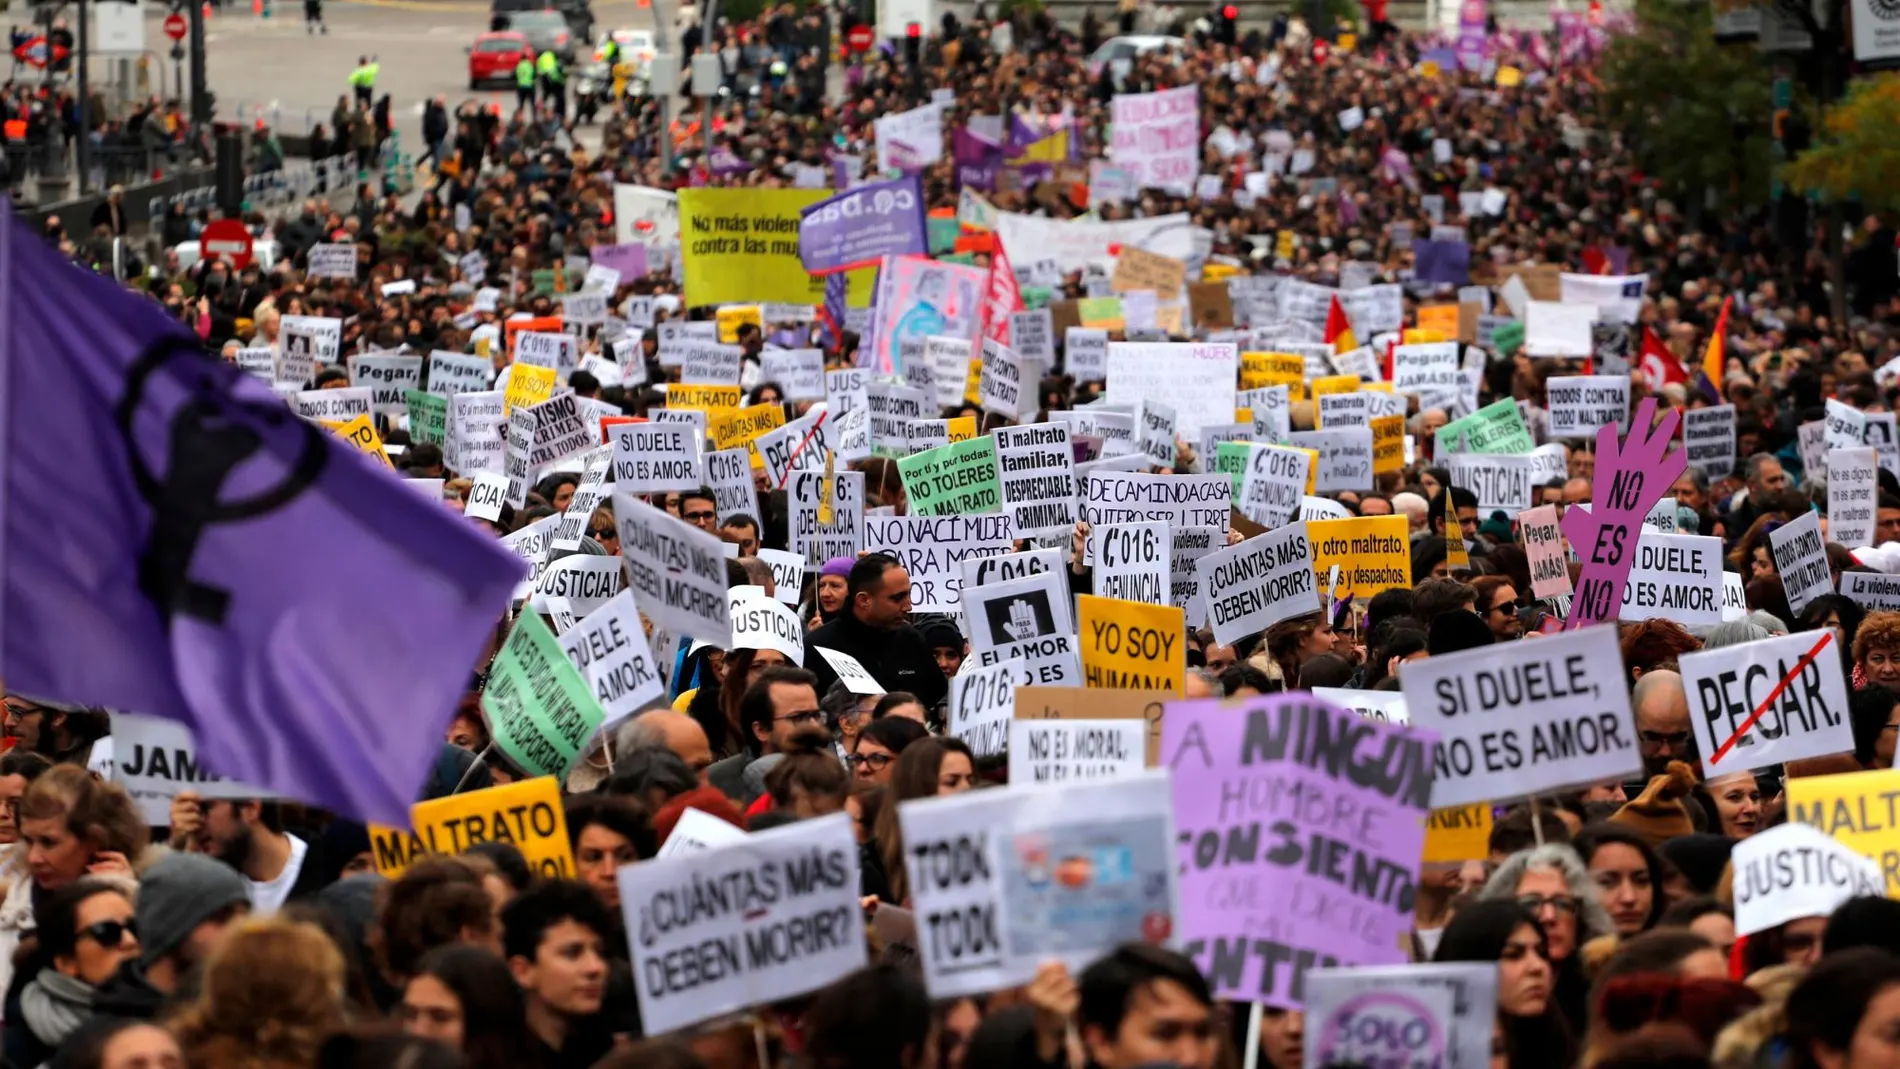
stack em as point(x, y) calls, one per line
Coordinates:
point(1339, 328)
point(1001, 298)
point(1659, 365)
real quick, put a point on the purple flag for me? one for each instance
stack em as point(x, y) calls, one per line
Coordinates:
point(861, 226)
point(176, 542)
point(978, 159)
point(837, 291)
point(1473, 38)
point(1443, 262)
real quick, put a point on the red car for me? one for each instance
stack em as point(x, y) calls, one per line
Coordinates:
point(494, 55)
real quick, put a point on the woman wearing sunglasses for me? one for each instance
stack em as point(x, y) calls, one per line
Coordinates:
point(86, 933)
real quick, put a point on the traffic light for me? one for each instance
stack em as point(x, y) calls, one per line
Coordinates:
point(1227, 26)
point(914, 43)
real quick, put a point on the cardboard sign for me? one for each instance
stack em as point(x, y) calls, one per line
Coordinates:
point(787, 922)
point(1767, 702)
point(1258, 582)
point(1793, 871)
point(1131, 646)
point(1003, 881)
point(540, 710)
point(1228, 764)
point(1524, 718)
point(1801, 560)
point(528, 815)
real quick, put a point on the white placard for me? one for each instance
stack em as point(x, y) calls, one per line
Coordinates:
point(1085, 354)
point(800, 373)
point(1032, 335)
point(1001, 385)
point(697, 956)
point(560, 431)
point(1800, 556)
point(609, 648)
point(1180, 500)
point(1196, 379)
point(762, 623)
point(332, 260)
point(800, 445)
point(652, 458)
point(1675, 577)
point(1274, 483)
point(1385, 706)
point(1708, 439)
point(584, 581)
point(154, 759)
point(1345, 457)
point(1797, 870)
point(988, 912)
point(1501, 480)
point(982, 701)
point(711, 364)
point(1524, 718)
point(453, 373)
point(1805, 716)
point(676, 571)
point(1873, 591)
point(933, 550)
point(1853, 491)
point(334, 405)
point(1256, 583)
point(1131, 561)
point(697, 832)
point(1036, 465)
point(788, 573)
point(844, 535)
point(1552, 328)
point(1440, 1014)
point(1071, 751)
point(1846, 427)
point(1582, 404)
point(1429, 370)
point(541, 349)
point(729, 476)
point(851, 672)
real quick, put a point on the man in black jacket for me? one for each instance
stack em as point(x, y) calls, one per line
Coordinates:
point(876, 630)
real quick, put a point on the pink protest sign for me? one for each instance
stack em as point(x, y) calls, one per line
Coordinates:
point(1543, 537)
point(1638, 471)
point(1300, 826)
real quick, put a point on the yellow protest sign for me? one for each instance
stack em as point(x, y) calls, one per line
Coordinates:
point(963, 428)
point(1857, 809)
point(527, 385)
point(732, 317)
point(705, 398)
point(1348, 42)
point(740, 246)
point(1461, 833)
point(527, 814)
point(1457, 558)
point(1374, 553)
point(1243, 415)
point(1100, 313)
point(731, 428)
point(1378, 387)
point(361, 433)
point(1283, 245)
point(1218, 272)
point(1442, 318)
point(1388, 444)
point(1261, 370)
point(1130, 645)
point(973, 382)
point(1428, 68)
point(1509, 77)
point(1331, 384)
point(1421, 336)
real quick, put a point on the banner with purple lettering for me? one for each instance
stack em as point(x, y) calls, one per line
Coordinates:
point(1300, 827)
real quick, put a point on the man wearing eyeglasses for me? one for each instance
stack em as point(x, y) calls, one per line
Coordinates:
point(775, 705)
point(1661, 708)
point(701, 509)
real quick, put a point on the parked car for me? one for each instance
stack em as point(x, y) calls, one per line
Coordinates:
point(546, 29)
point(494, 55)
point(579, 15)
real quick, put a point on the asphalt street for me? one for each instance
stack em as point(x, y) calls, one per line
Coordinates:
point(269, 67)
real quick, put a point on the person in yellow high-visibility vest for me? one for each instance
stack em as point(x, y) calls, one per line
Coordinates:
point(524, 81)
point(363, 80)
point(553, 82)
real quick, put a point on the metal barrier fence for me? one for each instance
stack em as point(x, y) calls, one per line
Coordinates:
point(295, 181)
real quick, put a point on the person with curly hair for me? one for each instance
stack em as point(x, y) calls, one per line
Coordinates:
point(1654, 644)
point(1877, 651)
point(272, 994)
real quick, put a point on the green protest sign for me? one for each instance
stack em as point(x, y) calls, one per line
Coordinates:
point(1508, 337)
point(1231, 458)
point(539, 708)
point(952, 480)
point(1496, 428)
point(942, 232)
point(428, 416)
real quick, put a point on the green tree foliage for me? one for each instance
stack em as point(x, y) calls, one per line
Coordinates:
point(1696, 114)
point(1856, 155)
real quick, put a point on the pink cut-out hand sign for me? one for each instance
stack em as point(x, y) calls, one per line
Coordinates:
point(1634, 474)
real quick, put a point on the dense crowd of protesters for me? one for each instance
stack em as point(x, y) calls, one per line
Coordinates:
point(256, 932)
